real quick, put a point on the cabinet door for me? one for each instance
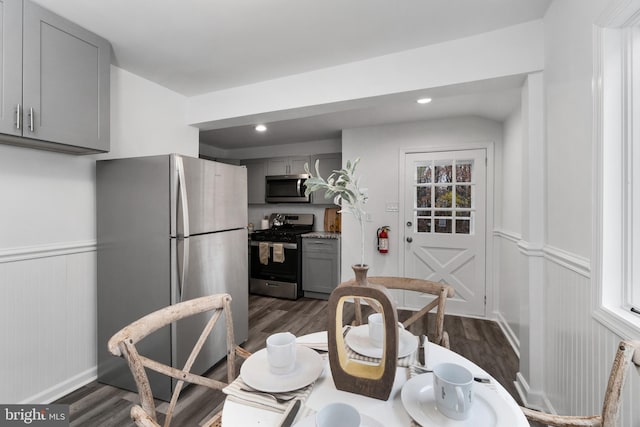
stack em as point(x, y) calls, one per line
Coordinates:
point(296, 165)
point(320, 265)
point(328, 163)
point(287, 165)
point(256, 171)
point(66, 72)
point(278, 166)
point(11, 65)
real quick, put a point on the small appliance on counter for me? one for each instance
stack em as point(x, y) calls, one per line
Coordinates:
point(276, 256)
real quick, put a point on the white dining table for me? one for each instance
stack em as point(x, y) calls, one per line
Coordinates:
point(387, 413)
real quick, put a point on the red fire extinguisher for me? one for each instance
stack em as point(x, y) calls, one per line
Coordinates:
point(383, 239)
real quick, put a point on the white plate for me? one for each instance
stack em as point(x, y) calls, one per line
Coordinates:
point(316, 340)
point(358, 340)
point(488, 409)
point(256, 374)
point(310, 421)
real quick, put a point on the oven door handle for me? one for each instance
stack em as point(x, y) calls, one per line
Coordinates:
point(284, 245)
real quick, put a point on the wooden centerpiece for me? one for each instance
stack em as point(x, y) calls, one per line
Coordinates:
point(352, 375)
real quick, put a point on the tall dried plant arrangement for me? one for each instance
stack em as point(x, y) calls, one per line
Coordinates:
point(344, 187)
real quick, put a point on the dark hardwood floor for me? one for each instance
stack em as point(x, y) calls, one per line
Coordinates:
point(481, 341)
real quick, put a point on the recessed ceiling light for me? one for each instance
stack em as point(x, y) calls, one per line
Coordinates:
point(261, 128)
point(423, 100)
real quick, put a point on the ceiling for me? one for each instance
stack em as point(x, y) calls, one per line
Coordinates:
point(199, 46)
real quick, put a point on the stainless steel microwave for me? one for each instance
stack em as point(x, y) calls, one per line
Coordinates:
point(286, 189)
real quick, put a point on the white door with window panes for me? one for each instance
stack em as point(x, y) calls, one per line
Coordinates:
point(445, 226)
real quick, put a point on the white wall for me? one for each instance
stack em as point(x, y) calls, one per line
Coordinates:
point(379, 149)
point(147, 119)
point(47, 243)
point(508, 289)
point(511, 206)
point(504, 52)
point(578, 350)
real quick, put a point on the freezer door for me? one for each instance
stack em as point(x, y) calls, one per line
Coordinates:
point(206, 196)
point(210, 264)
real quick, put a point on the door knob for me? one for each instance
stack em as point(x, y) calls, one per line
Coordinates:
point(409, 239)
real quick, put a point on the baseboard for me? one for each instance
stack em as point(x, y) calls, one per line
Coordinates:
point(62, 389)
point(508, 332)
point(532, 400)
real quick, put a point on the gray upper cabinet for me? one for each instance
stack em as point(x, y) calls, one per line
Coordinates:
point(55, 82)
point(286, 165)
point(11, 69)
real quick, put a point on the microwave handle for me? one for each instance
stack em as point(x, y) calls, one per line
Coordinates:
point(300, 187)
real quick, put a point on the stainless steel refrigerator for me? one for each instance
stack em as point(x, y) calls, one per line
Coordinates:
point(170, 228)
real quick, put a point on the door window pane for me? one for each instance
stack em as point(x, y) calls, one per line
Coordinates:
point(444, 172)
point(423, 197)
point(443, 196)
point(424, 174)
point(463, 170)
point(424, 225)
point(463, 196)
point(443, 225)
point(463, 226)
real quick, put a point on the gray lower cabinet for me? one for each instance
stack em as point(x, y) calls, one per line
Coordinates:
point(54, 82)
point(320, 266)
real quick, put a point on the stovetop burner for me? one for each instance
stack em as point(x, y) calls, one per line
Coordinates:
point(289, 227)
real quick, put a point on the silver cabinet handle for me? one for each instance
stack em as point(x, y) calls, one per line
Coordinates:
point(18, 117)
point(31, 119)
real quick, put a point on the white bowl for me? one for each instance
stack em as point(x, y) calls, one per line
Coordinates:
point(338, 415)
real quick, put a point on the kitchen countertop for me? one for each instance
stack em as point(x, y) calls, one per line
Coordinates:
point(322, 235)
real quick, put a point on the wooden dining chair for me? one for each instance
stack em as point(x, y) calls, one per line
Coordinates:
point(628, 351)
point(441, 292)
point(123, 344)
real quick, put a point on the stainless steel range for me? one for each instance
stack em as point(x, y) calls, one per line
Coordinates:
point(276, 256)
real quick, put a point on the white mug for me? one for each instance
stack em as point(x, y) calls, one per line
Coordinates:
point(281, 352)
point(376, 329)
point(338, 415)
point(453, 389)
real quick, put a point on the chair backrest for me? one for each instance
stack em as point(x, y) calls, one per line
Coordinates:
point(628, 352)
point(123, 344)
point(441, 292)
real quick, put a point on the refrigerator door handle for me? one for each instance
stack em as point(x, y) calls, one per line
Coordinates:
point(182, 190)
point(183, 267)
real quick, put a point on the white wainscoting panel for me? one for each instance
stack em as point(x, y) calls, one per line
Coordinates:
point(508, 292)
point(48, 313)
point(578, 349)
